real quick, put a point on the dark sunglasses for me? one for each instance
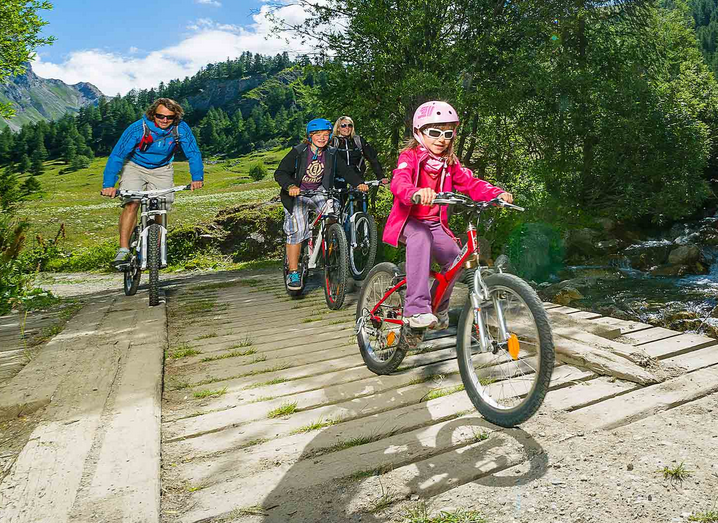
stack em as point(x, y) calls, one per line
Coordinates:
point(160, 116)
point(448, 134)
point(345, 125)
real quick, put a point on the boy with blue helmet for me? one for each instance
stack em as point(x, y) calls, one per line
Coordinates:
point(309, 166)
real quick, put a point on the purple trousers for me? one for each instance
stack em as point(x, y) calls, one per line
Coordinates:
point(425, 241)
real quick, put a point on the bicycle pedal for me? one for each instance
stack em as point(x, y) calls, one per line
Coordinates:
point(412, 337)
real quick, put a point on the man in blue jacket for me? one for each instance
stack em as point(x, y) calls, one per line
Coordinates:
point(143, 160)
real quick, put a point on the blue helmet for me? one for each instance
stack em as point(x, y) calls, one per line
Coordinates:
point(318, 124)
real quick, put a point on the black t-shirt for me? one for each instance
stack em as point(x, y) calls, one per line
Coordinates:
point(312, 179)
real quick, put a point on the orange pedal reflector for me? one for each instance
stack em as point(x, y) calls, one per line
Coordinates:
point(390, 338)
point(514, 346)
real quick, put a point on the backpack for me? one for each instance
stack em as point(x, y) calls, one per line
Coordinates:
point(357, 142)
point(147, 139)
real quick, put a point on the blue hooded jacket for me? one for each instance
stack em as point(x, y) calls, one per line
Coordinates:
point(158, 154)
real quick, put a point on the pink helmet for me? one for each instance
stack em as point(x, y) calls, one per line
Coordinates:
point(434, 112)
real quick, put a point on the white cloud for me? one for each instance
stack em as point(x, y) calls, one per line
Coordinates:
point(209, 2)
point(209, 42)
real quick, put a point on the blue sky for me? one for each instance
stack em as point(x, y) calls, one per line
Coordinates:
point(136, 44)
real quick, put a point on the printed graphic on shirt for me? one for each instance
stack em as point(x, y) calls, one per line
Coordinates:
point(315, 172)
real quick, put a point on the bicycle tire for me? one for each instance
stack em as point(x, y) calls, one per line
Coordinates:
point(133, 273)
point(362, 257)
point(153, 262)
point(336, 267)
point(381, 351)
point(303, 271)
point(487, 374)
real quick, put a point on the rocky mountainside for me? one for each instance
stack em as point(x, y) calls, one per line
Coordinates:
point(35, 98)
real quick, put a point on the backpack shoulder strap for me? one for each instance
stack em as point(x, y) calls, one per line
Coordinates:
point(357, 142)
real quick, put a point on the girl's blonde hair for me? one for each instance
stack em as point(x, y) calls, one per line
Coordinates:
point(170, 104)
point(338, 123)
point(448, 153)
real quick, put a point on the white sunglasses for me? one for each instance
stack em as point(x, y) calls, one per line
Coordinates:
point(448, 134)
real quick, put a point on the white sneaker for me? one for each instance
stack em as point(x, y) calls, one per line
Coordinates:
point(422, 321)
point(442, 320)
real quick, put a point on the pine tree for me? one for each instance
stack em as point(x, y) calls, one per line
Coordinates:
point(30, 185)
point(37, 167)
point(23, 165)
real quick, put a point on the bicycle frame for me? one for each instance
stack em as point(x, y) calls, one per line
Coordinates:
point(467, 258)
point(318, 245)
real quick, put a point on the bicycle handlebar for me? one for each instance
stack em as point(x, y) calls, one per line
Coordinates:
point(157, 192)
point(451, 198)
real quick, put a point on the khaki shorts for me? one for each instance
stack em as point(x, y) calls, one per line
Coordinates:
point(134, 177)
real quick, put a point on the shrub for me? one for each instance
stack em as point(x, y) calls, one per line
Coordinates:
point(79, 162)
point(258, 171)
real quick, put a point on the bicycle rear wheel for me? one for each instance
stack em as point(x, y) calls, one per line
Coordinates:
point(507, 382)
point(335, 266)
point(362, 256)
point(153, 262)
point(380, 342)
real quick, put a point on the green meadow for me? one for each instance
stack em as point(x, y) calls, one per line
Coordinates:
point(73, 198)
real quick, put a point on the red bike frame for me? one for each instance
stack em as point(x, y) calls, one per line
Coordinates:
point(443, 279)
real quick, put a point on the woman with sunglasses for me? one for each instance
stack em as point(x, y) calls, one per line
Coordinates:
point(354, 149)
point(143, 160)
point(427, 165)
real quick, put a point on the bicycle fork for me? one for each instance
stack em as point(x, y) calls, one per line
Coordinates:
point(480, 297)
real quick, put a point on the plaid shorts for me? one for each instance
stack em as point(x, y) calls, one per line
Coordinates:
point(296, 223)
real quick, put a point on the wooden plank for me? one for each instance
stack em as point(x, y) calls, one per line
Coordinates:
point(695, 360)
point(649, 335)
point(625, 326)
point(648, 401)
point(585, 315)
point(677, 345)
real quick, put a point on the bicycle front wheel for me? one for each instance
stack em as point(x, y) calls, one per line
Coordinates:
point(335, 266)
point(363, 254)
point(380, 341)
point(132, 272)
point(508, 380)
point(153, 262)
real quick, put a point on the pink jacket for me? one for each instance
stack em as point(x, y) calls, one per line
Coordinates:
point(403, 186)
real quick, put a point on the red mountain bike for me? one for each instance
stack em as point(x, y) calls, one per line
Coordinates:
point(504, 343)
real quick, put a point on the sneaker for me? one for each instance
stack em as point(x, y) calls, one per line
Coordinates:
point(294, 281)
point(422, 321)
point(121, 258)
point(442, 320)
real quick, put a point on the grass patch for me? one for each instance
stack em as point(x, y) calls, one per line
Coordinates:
point(363, 474)
point(438, 393)
point(179, 385)
point(195, 488)
point(285, 409)
point(480, 435)
point(263, 398)
point(316, 425)
point(254, 510)
point(310, 320)
point(198, 307)
point(275, 381)
point(247, 341)
point(207, 336)
point(677, 473)
point(232, 354)
point(420, 514)
point(424, 379)
point(710, 516)
point(207, 393)
point(184, 351)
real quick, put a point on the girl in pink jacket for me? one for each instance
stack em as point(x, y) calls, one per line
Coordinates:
point(427, 165)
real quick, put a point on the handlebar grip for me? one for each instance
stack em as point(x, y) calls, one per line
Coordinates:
point(416, 198)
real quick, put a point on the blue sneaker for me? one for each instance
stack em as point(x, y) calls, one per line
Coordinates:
point(294, 281)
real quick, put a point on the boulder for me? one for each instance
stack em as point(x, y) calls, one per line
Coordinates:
point(684, 255)
point(581, 243)
point(252, 231)
point(567, 295)
point(647, 255)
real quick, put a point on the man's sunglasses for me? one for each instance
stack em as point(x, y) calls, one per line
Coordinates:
point(345, 125)
point(448, 134)
point(164, 116)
